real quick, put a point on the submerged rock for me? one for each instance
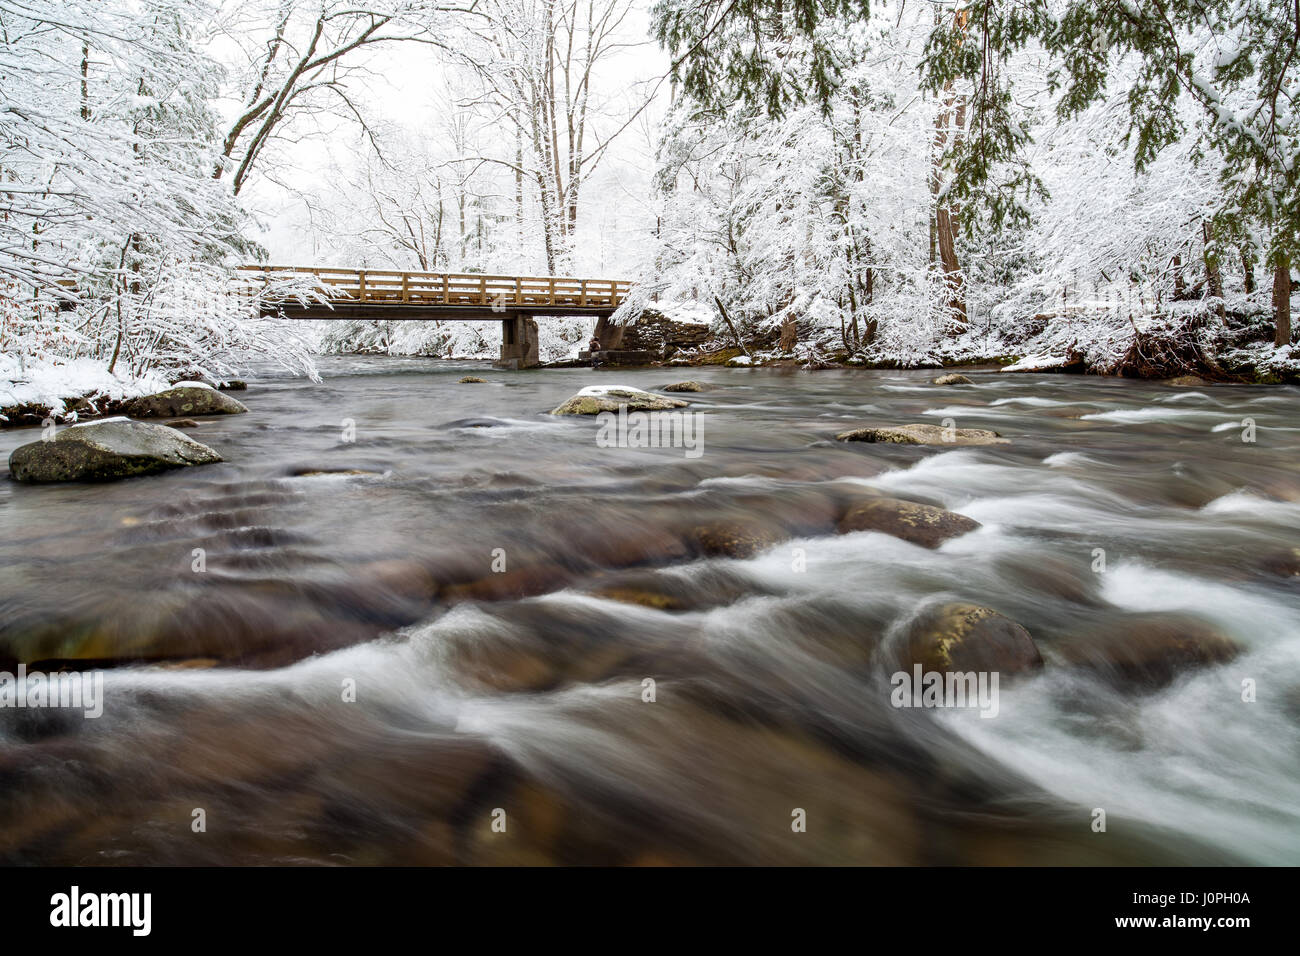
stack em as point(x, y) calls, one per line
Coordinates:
point(107, 450)
point(595, 399)
point(732, 539)
point(1187, 381)
point(471, 380)
point(953, 378)
point(182, 423)
point(1147, 651)
point(924, 434)
point(969, 637)
point(686, 387)
point(1284, 563)
point(921, 524)
point(187, 398)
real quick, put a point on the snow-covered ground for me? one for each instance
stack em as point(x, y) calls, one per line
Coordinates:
point(48, 382)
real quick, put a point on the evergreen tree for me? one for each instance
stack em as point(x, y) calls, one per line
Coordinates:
point(1236, 59)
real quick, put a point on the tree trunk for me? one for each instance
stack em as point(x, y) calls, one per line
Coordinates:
point(1212, 274)
point(789, 335)
point(948, 260)
point(722, 310)
point(1248, 271)
point(1282, 301)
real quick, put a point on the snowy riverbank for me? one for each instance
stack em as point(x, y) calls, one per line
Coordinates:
point(30, 387)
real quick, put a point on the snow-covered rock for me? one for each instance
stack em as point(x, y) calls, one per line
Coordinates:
point(106, 451)
point(1038, 363)
point(595, 399)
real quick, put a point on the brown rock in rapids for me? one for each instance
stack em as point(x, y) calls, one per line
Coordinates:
point(953, 379)
point(969, 637)
point(924, 434)
point(732, 539)
point(925, 525)
point(1147, 651)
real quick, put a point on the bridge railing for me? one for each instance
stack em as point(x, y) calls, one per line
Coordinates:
point(384, 286)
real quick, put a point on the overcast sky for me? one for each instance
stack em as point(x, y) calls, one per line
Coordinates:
point(407, 86)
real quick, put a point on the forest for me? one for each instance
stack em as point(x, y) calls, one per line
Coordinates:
point(1040, 183)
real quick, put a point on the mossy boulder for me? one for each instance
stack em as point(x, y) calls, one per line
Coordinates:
point(106, 451)
point(610, 398)
point(952, 378)
point(187, 398)
point(969, 637)
point(686, 387)
point(471, 380)
point(924, 434)
point(921, 524)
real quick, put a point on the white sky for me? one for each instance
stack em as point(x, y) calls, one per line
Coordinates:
point(404, 87)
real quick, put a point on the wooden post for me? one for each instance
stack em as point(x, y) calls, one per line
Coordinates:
point(519, 291)
point(482, 290)
point(550, 291)
point(582, 300)
point(406, 291)
point(361, 281)
point(446, 290)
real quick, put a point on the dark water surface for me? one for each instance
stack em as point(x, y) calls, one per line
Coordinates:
point(517, 695)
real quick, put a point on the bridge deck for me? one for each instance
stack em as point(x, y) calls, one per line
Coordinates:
point(359, 293)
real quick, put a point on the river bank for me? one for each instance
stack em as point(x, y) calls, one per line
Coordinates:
point(88, 394)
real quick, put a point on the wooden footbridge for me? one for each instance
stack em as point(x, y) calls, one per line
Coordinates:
point(386, 295)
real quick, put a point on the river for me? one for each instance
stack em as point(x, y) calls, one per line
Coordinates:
point(411, 621)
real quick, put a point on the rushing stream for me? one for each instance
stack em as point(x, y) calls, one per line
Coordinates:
point(405, 609)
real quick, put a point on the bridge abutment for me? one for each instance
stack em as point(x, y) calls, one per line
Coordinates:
point(519, 342)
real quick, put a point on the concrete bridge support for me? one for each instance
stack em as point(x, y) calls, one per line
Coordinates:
point(519, 342)
point(609, 334)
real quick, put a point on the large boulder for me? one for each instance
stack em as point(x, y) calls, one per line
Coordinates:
point(921, 524)
point(106, 451)
point(969, 637)
point(924, 434)
point(595, 399)
point(184, 399)
point(691, 386)
point(953, 378)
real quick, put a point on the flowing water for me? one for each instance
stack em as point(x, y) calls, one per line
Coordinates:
point(414, 621)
